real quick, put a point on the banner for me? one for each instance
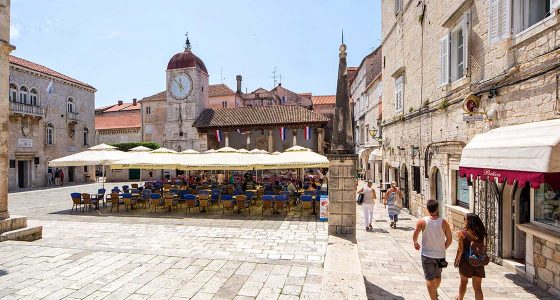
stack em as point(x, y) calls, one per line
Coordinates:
point(324, 208)
point(283, 133)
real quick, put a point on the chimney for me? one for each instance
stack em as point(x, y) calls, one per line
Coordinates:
point(134, 102)
point(238, 78)
point(119, 102)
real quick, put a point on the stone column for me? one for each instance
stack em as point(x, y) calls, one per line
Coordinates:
point(270, 142)
point(226, 140)
point(5, 49)
point(320, 140)
point(294, 137)
point(342, 194)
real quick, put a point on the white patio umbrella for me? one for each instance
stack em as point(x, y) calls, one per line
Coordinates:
point(226, 158)
point(296, 157)
point(161, 158)
point(101, 154)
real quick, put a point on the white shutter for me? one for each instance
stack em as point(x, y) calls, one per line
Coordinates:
point(444, 60)
point(466, 34)
point(504, 18)
point(493, 20)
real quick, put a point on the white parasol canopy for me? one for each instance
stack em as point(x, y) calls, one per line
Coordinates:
point(140, 149)
point(296, 157)
point(162, 158)
point(101, 154)
point(225, 158)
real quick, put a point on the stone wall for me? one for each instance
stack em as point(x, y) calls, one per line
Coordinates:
point(117, 136)
point(547, 265)
point(342, 195)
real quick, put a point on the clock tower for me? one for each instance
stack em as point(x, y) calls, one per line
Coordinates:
point(187, 97)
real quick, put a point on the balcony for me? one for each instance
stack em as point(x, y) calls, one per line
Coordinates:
point(26, 109)
point(72, 117)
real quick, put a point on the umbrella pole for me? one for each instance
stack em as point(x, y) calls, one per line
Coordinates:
point(103, 176)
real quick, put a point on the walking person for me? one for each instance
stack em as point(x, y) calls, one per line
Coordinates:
point(49, 177)
point(436, 238)
point(393, 201)
point(474, 231)
point(61, 177)
point(56, 177)
point(368, 203)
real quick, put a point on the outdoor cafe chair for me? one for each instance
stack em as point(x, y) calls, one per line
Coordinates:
point(134, 185)
point(166, 187)
point(204, 202)
point(144, 197)
point(215, 197)
point(267, 203)
point(174, 191)
point(125, 188)
point(190, 200)
point(242, 203)
point(115, 201)
point(227, 202)
point(306, 202)
point(281, 203)
point(100, 196)
point(181, 197)
point(155, 201)
point(128, 201)
point(88, 201)
point(250, 196)
point(169, 202)
point(76, 200)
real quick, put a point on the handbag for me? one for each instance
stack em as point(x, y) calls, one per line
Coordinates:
point(398, 200)
point(360, 199)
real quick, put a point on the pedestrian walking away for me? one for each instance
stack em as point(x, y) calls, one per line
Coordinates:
point(436, 238)
point(57, 177)
point(368, 203)
point(61, 177)
point(471, 255)
point(393, 201)
point(49, 177)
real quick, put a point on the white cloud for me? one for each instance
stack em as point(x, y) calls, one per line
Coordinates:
point(14, 32)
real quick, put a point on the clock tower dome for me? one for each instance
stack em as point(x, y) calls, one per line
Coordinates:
point(187, 97)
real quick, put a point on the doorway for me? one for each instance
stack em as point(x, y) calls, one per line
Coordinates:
point(404, 186)
point(71, 171)
point(134, 174)
point(522, 215)
point(22, 173)
point(438, 187)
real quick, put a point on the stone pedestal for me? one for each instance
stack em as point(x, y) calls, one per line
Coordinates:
point(342, 194)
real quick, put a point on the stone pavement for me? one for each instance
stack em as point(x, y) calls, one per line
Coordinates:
point(98, 255)
point(392, 268)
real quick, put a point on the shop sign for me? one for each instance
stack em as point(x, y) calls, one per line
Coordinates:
point(468, 118)
point(24, 143)
point(324, 208)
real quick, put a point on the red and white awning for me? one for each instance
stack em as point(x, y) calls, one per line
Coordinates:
point(526, 153)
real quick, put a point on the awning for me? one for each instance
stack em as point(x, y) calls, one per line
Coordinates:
point(376, 155)
point(526, 153)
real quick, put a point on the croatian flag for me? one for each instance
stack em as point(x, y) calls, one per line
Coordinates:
point(218, 135)
point(307, 132)
point(283, 133)
point(50, 88)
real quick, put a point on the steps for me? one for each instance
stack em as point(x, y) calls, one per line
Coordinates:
point(15, 229)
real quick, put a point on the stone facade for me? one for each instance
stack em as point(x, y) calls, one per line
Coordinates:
point(515, 76)
point(547, 264)
point(68, 111)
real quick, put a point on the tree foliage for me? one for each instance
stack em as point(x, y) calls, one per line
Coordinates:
point(128, 146)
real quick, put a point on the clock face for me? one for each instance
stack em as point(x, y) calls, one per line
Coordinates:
point(180, 86)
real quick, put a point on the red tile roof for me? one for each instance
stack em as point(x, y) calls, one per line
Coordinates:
point(319, 100)
point(118, 120)
point(219, 90)
point(276, 115)
point(156, 97)
point(42, 69)
point(122, 107)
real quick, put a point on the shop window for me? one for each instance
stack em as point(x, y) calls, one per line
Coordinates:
point(461, 191)
point(416, 179)
point(547, 205)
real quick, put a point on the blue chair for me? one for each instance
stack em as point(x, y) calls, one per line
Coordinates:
point(227, 202)
point(145, 197)
point(203, 192)
point(238, 191)
point(281, 202)
point(156, 201)
point(267, 203)
point(128, 200)
point(116, 190)
point(174, 191)
point(125, 188)
point(76, 200)
point(250, 196)
point(101, 195)
point(190, 200)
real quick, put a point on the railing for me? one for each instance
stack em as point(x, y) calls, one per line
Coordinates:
point(26, 109)
point(72, 116)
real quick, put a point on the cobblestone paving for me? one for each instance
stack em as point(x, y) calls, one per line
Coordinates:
point(141, 255)
point(392, 268)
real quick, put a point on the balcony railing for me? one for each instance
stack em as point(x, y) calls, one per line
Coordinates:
point(72, 117)
point(26, 109)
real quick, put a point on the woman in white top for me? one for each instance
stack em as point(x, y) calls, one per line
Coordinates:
point(368, 204)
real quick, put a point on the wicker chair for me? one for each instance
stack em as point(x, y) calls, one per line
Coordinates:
point(227, 202)
point(306, 202)
point(267, 203)
point(281, 203)
point(190, 200)
point(155, 201)
point(76, 201)
point(204, 202)
point(242, 203)
point(115, 201)
point(169, 202)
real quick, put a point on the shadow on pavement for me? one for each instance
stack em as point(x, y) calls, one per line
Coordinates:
point(528, 287)
point(375, 292)
point(3, 272)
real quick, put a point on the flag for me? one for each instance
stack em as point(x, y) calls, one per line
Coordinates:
point(307, 132)
point(218, 135)
point(50, 88)
point(283, 133)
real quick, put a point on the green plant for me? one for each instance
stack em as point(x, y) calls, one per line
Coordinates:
point(411, 109)
point(426, 103)
point(443, 105)
point(399, 117)
point(128, 146)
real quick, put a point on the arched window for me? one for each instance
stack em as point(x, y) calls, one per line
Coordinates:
point(13, 92)
point(49, 134)
point(33, 96)
point(23, 94)
point(70, 105)
point(86, 136)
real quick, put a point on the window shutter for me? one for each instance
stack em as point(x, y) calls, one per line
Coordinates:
point(466, 34)
point(504, 18)
point(444, 59)
point(493, 20)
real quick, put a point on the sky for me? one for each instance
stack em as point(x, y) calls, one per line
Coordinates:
point(122, 47)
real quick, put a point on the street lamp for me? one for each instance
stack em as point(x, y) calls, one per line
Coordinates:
point(373, 133)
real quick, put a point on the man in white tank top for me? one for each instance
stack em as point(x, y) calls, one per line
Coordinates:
point(436, 238)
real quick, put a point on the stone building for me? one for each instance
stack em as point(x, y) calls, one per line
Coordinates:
point(119, 123)
point(51, 115)
point(365, 116)
point(454, 69)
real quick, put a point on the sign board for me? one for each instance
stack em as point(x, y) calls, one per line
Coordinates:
point(468, 118)
point(24, 143)
point(324, 208)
